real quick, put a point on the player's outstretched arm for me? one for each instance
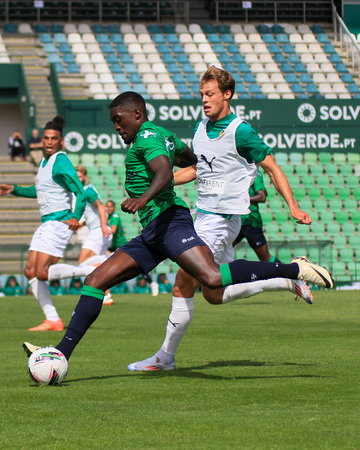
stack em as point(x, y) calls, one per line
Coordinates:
point(282, 185)
point(185, 175)
point(6, 189)
point(186, 158)
point(103, 217)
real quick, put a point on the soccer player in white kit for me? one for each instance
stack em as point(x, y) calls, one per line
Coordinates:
point(56, 181)
point(229, 151)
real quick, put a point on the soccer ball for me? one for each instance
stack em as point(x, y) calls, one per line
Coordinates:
point(47, 366)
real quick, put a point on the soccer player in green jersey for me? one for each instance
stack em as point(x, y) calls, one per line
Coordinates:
point(252, 225)
point(168, 230)
point(56, 181)
point(116, 227)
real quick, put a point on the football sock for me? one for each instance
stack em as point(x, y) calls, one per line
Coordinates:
point(86, 312)
point(242, 271)
point(62, 271)
point(243, 290)
point(41, 292)
point(274, 259)
point(180, 317)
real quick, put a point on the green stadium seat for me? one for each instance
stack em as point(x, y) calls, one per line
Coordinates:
point(107, 171)
point(296, 158)
point(272, 230)
point(314, 193)
point(281, 217)
point(339, 158)
point(324, 158)
point(308, 182)
point(271, 191)
point(299, 194)
point(112, 183)
point(315, 216)
point(317, 229)
point(287, 230)
point(288, 170)
point(314, 254)
point(353, 158)
point(92, 171)
point(117, 196)
point(346, 169)
point(329, 193)
point(354, 269)
point(355, 216)
point(316, 169)
point(337, 181)
point(327, 217)
point(97, 181)
point(335, 205)
point(305, 205)
point(310, 158)
point(117, 159)
point(339, 241)
point(284, 255)
point(356, 193)
point(350, 204)
point(352, 182)
point(302, 170)
point(323, 181)
point(331, 169)
point(103, 194)
point(346, 254)
point(348, 229)
point(120, 171)
point(281, 158)
point(338, 268)
point(74, 158)
point(103, 159)
point(88, 159)
point(333, 229)
point(303, 231)
point(354, 242)
point(320, 205)
point(343, 193)
point(266, 217)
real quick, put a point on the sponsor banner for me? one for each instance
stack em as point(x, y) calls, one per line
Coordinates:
point(88, 140)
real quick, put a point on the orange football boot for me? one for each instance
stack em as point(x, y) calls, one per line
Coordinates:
point(49, 325)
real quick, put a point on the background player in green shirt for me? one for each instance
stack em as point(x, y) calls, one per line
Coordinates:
point(252, 225)
point(114, 220)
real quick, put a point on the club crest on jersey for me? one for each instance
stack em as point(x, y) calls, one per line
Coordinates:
point(145, 134)
point(170, 147)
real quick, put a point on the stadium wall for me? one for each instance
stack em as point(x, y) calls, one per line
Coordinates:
point(285, 125)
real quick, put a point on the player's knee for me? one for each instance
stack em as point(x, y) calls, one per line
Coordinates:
point(210, 279)
point(41, 274)
point(29, 272)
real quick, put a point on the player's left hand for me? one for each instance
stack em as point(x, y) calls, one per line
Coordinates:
point(301, 217)
point(74, 224)
point(105, 232)
point(131, 205)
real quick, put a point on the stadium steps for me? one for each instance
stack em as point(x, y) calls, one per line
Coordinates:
point(11, 167)
point(17, 178)
point(18, 228)
point(23, 215)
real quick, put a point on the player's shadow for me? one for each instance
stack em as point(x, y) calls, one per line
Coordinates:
point(193, 372)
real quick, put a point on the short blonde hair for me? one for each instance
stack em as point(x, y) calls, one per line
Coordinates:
point(81, 169)
point(225, 80)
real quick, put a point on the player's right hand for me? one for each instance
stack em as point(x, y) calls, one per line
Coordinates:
point(131, 205)
point(74, 224)
point(6, 189)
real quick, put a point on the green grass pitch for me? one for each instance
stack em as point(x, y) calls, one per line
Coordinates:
point(260, 373)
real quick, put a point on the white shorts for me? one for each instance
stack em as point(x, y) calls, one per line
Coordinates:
point(51, 238)
point(218, 233)
point(96, 242)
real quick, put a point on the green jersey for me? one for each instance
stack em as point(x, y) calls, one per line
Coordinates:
point(151, 141)
point(254, 218)
point(118, 237)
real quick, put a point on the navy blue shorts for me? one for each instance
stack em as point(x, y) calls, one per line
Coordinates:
point(167, 236)
point(253, 235)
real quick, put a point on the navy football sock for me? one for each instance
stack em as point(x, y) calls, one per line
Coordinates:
point(86, 312)
point(243, 271)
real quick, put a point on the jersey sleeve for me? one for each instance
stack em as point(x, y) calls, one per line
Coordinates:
point(91, 195)
point(64, 173)
point(249, 144)
point(27, 192)
point(115, 220)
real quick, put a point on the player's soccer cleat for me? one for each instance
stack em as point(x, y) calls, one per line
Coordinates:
point(313, 273)
point(29, 349)
point(151, 364)
point(49, 325)
point(108, 300)
point(302, 290)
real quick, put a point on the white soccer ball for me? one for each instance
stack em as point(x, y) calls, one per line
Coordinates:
point(47, 366)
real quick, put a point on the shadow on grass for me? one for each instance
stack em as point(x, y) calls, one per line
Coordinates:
point(191, 372)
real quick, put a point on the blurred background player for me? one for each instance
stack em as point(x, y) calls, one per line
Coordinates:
point(252, 225)
point(165, 286)
point(141, 286)
point(114, 220)
point(56, 181)
point(36, 148)
point(16, 146)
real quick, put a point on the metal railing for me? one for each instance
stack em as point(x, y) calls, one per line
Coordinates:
point(347, 41)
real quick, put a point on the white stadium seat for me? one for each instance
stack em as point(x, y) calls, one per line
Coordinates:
point(135, 48)
point(84, 28)
point(289, 96)
point(265, 58)
point(268, 88)
point(87, 68)
point(149, 48)
point(159, 96)
point(273, 96)
point(289, 28)
point(331, 96)
point(240, 38)
point(97, 58)
point(181, 28)
point(262, 78)
point(303, 28)
point(130, 38)
point(236, 28)
point(88, 38)
point(211, 58)
point(102, 68)
point(159, 68)
point(82, 58)
point(70, 28)
point(154, 88)
point(152, 58)
point(140, 28)
point(327, 68)
point(100, 96)
point(145, 38)
point(25, 28)
point(195, 58)
point(301, 48)
point(140, 58)
point(315, 48)
point(163, 78)
point(200, 38)
point(249, 28)
point(295, 38)
point(257, 68)
point(106, 78)
point(255, 38)
point(339, 88)
point(195, 28)
point(261, 48)
point(111, 89)
point(149, 78)
point(251, 58)
point(92, 78)
point(333, 78)
point(309, 38)
point(246, 48)
point(319, 78)
point(74, 38)
point(185, 38)
point(325, 88)
point(307, 58)
point(321, 58)
point(271, 68)
point(169, 88)
point(144, 68)
point(283, 88)
point(313, 68)
point(96, 88)
point(345, 96)
point(205, 48)
point(126, 28)
point(190, 48)
point(78, 48)
point(277, 78)
point(200, 68)
point(93, 48)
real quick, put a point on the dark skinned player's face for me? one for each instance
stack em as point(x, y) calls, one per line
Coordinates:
point(126, 122)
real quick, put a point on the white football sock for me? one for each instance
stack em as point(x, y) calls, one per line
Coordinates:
point(62, 271)
point(243, 290)
point(96, 259)
point(154, 288)
point(41, 292)
point(180, 317)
